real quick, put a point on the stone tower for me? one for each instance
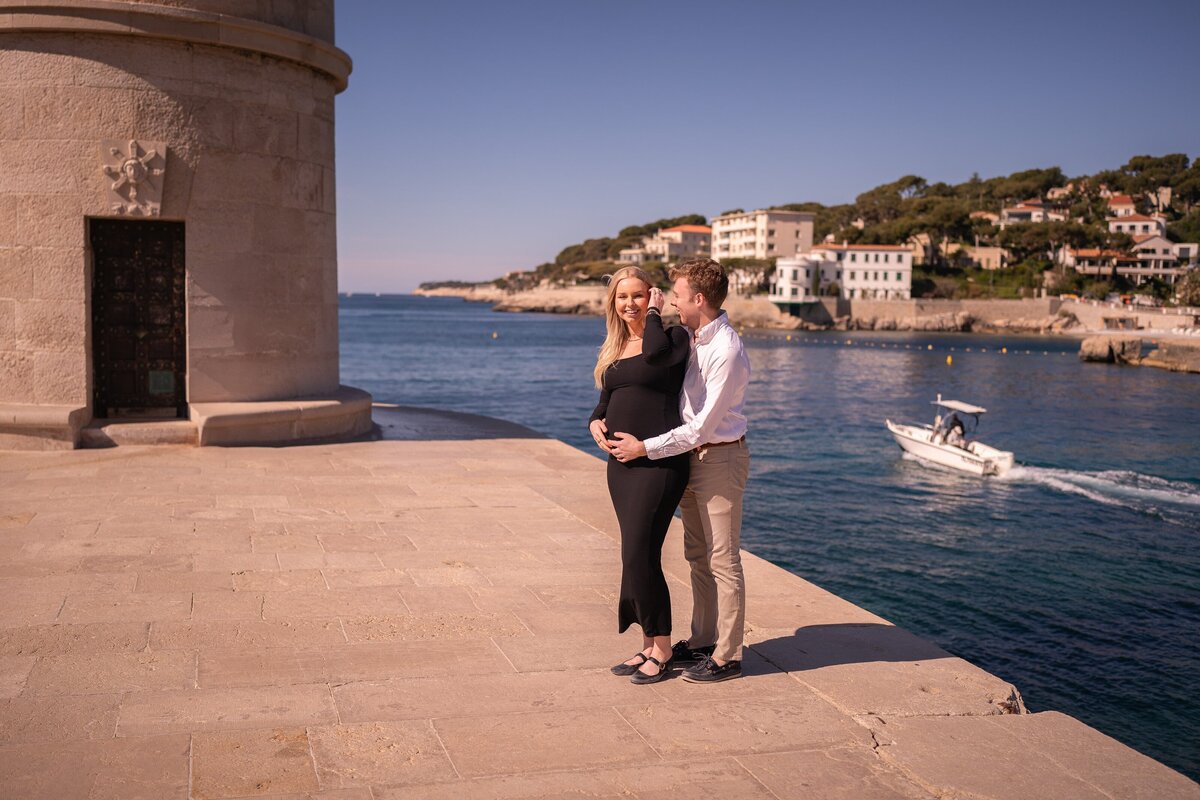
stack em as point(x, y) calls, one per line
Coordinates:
point(168, 248)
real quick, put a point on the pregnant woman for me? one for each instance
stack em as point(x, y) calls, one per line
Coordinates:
point(640, 373)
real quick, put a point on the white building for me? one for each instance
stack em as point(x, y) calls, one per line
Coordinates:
point(670, 244)
point(1031, 211)
point(1159, 257)
point(861, 272)
point(762, 234)
point(1138, 225)
point(678, 243)
point(632, 255)
point(1121, 205)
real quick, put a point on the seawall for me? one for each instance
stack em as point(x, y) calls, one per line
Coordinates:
point(431, 615)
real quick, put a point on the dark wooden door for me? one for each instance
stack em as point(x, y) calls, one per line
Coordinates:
point(139, 351)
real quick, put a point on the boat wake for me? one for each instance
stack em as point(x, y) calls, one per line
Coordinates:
point(1175, 501)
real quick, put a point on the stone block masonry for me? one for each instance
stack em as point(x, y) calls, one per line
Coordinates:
point(433, 617)
point(216, 117)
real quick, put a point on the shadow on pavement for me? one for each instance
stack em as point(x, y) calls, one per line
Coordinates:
point(410, 423)
point(819, 646)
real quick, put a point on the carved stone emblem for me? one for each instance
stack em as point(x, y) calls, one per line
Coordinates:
point(136, 171)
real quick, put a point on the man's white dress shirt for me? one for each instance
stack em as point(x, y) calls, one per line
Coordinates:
point(714, 393)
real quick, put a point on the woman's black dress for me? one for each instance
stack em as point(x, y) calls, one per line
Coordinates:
point(641, 397)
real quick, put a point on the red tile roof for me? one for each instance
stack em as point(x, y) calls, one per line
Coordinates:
point(879, 247)
point(1094, 252)
point(1132, 218)
point(690, 228)
point(1120, 200)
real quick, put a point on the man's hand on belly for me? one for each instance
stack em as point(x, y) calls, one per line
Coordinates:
point(627, 447)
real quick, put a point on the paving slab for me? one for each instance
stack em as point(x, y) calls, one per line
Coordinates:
point(1021, 756)
point(433, 616)
point(251, 763)
point(723, 778)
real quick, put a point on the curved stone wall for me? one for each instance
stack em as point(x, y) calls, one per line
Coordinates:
point(249, 170)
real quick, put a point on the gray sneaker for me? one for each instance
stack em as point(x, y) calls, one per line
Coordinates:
point(707, 671)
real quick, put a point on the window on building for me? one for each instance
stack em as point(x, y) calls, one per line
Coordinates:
point(840, 256)
point(795, 292)
point(839, 274)
point(853, 276)
point(875, 277)
point(885, 258)
point(853, 256)
point(795, 274)
point(770, 231)
point(807, 275)
point(898, 277)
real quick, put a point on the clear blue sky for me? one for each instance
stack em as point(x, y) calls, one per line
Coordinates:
point(481, 137)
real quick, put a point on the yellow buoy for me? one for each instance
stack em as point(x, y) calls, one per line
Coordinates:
point(495, 335)
point(789, 337)
point(930, 347)
point(949, 360)
point(1003, 349)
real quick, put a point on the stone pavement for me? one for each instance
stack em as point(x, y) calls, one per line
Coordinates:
point(434, 618)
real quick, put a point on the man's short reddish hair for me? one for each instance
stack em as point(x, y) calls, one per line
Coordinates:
point(704, 276)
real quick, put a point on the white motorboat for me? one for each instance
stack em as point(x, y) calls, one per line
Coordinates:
point(946, 441)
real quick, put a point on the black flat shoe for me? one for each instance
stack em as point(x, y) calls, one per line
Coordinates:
point(641, 678)
point(628, 669)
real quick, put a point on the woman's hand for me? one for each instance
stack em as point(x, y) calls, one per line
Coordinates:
point(657, 299)
point(599, 434)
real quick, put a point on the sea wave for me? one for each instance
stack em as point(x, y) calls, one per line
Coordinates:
point(1148, 494)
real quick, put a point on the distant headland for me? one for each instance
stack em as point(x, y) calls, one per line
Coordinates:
point(1128, 234)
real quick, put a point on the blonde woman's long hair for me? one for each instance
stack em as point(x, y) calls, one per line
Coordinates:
point(618, 331)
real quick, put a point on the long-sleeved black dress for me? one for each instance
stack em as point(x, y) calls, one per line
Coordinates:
point(641, 397)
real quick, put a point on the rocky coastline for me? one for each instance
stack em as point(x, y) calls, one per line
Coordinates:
point(958, 322)
point(758, 312)
point(1176, 356)
point(588, 300)
point(995, 317)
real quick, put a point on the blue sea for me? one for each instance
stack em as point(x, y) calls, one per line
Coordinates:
point(1076, 578)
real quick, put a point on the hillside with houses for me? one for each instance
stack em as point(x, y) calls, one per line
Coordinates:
point(1132, 231)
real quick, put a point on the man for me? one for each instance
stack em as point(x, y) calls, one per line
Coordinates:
point(714, 431)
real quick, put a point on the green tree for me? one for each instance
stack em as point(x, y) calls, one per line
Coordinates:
point(1187, 190)
point(1187, 290)
point(589, 250)
point(1186, 229)
point(1043, 239)
point(1147, 173)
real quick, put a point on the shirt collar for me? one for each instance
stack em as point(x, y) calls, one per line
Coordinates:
point(705, 333)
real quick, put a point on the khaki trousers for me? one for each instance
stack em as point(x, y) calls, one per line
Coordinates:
point(712, 530)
